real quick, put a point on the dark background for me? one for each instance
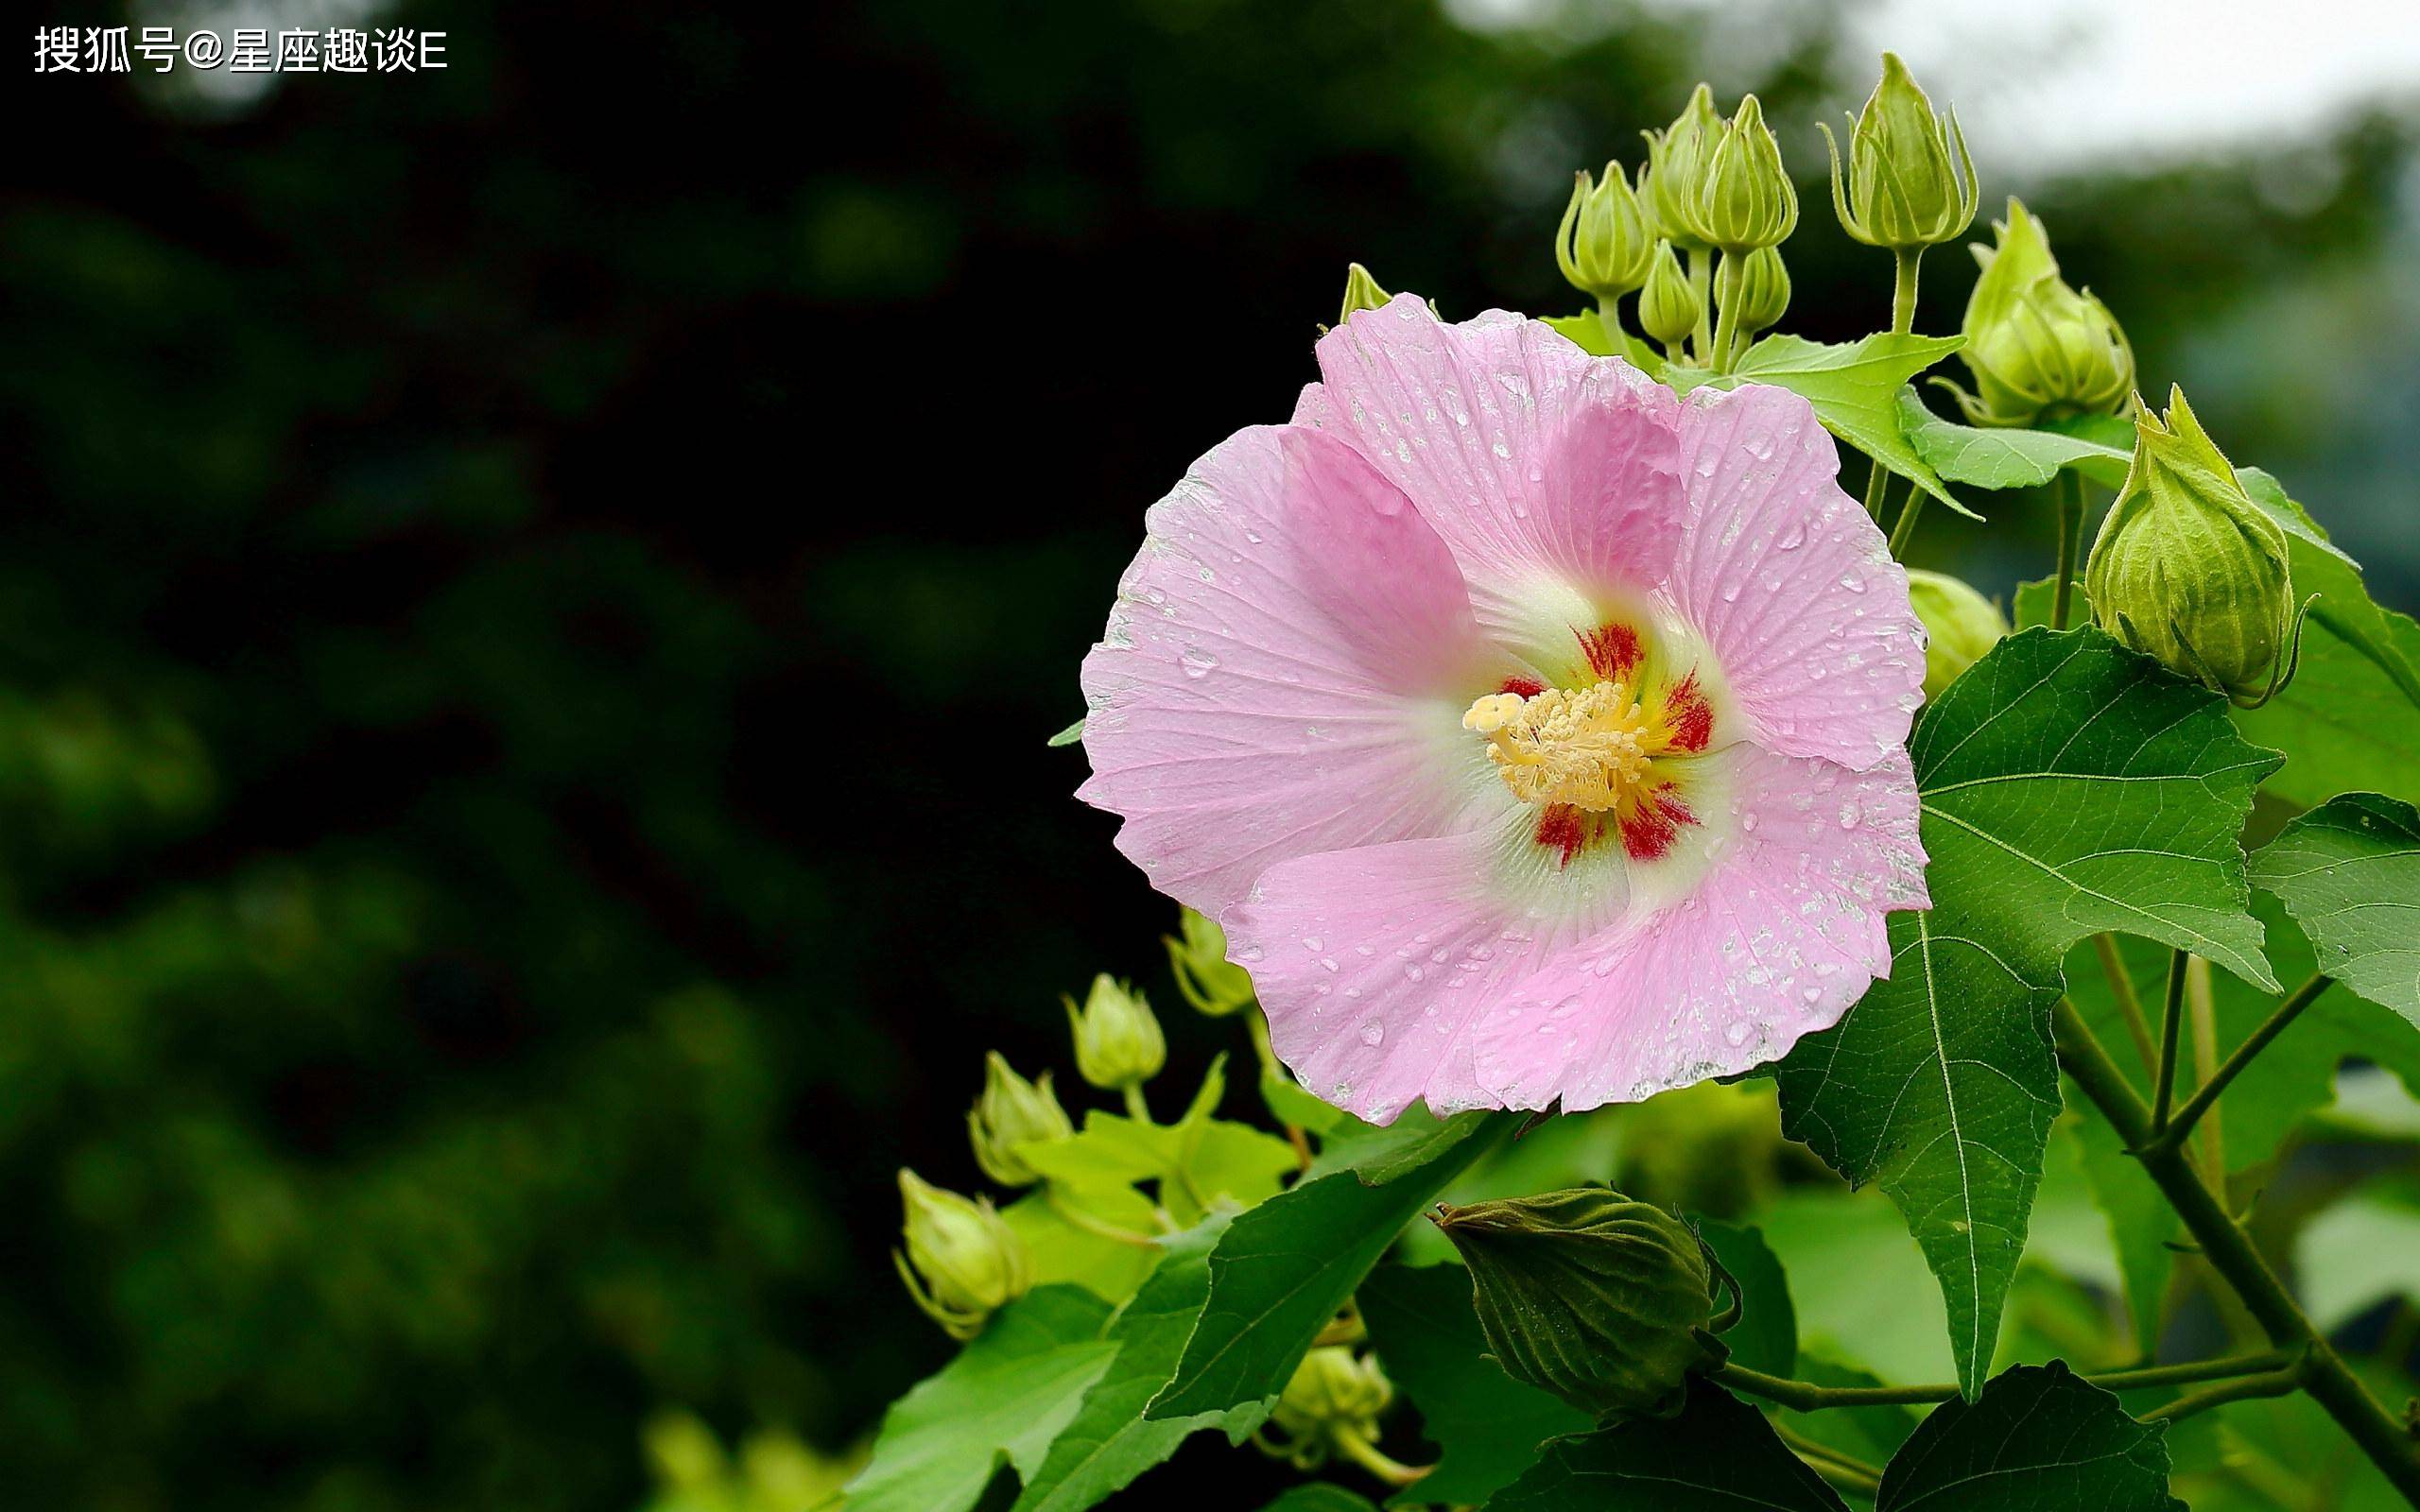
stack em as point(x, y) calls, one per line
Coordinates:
point(531, 598)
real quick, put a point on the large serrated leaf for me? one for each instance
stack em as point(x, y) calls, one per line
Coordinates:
point(1003, 1400)
point(1283, 1268)
point(2037, 1440)
point(1718, 1455)
point(1487, 1425)
point(2069, 786)
point(2349, 873)
point(1109, 1441)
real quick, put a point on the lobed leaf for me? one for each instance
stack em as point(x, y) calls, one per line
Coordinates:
point(1854, 389)
point(2349, 873)
point(1997, 458)
point(1002, 1401)
point(2037, 1440)
point(2068, 785)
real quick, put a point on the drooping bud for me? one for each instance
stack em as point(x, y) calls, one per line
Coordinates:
point(1906, 188)
point(1204, 977)
point(1746, 200)
point(1333, 1399)
point(2187, 569)
point(1361, 292)
point(1011, 1113)
point(2035, 345)
point(1669, 185)
point(1603, 244)
point(963, 1262)
point(1959, 626)
point(1763, 290)
point(1668, 307)
point(1583, 1292)
point(1118, 1043)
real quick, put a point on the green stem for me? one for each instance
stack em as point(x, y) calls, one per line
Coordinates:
point(2121, 987)
point(2268, 1383)
point(2164, 1087)
point(2229, 1251)
point(1350, 1443)
point(1726, 293)
point(2203, 1006)
point(2067, 490)
point(1699, 273)
point(1903, 289)
point(1876, 481)
point(1805, 1396)
point(2172, 1136)
point(1843, 1471)
point(1905, 530)
point(1136, 1108)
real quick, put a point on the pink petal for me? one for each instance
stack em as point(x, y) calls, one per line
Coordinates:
point(1409, 971)
point(1537, 463)
point(1791, 582)
point(1284, 673)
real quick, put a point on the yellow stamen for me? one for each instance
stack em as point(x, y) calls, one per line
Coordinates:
point(1584, 748)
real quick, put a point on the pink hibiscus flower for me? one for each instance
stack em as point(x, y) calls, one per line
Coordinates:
point(1534, 733)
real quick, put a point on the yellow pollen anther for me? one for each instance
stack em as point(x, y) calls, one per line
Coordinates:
point(1587, 748)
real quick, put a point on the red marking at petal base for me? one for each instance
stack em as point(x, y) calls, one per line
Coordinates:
point(1650, 829)
point(1523, 687)
point(1611, 649)
point(1691, 716)
point(1566, 828)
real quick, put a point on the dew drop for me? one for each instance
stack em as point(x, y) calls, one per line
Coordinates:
point(1374, 1033)
point(1198, 662)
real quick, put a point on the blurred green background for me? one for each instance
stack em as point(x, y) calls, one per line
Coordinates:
point(531, 596)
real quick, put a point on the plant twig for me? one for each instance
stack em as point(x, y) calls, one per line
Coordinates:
point(2164, 1087)
point(2130, 1004)
point(1806, 1396)
point(2284, 1013)
point(2230, 1252)
point(2268, 1383)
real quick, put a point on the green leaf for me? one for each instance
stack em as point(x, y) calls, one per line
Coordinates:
point(1109, 1442)
point(2349, 873)
point(1854, 389)
point(1003, 1400)
point(1993, 458)
point(1068, 736)
point(2036, 1440)
point(2141, 1223)
point(1766, 1336)
point(1487, 1425)
point(2068, 785)
point(1289, 1103)
point(1379, 1154)
point(2034, 600)
point(2113, 433)
point(1320, 1496)
point(1718, 1455)
point(1285, 1269)
point(1587, 331)
point(1064, 1249)
point(1879, 1307)
point(2351, 717)
point(1198, 1161)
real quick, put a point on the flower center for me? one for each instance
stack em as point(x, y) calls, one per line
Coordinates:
point(1589, 748)
point(1602, 756)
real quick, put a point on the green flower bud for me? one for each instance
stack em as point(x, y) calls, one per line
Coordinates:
point(1591, 1295)
point(1331, 1398)
point(1746, 199)
point(1118, 1043)
point(1361, 292)
point(2187, 569)
point(2035, 345)
point(1012, 1112)
point(963, 1262)
point(1959, 626)
point(1904, 189)
point(1763, 291)
point(1205, 976)
point(1675, 171)
point(1668, 307)
point(1603, 244)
